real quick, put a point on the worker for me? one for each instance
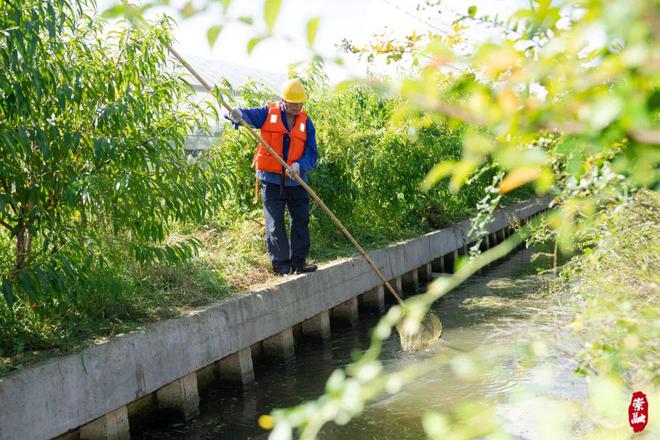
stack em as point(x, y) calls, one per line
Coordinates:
point(291, 134)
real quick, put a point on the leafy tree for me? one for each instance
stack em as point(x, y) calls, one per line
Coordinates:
point(92, 127)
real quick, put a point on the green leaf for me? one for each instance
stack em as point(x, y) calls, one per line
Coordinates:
point(477, 144)
point(312, 29)
point(437, 173)
point(225, 4)
point(346, 85)
point(544, 4)
point(472, 11)
point(188, 10)
point(8, 292)
point(27, 283)
point(604, 111)
point(461, 172)
point(252, 43)
point(271, 11)
point(114, 11)
point(42, 277)
point(247, 20)
point(213, 33)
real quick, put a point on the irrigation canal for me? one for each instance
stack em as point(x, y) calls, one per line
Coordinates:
point(491, 312)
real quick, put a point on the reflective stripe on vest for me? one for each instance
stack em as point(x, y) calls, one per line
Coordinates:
point(273, 132)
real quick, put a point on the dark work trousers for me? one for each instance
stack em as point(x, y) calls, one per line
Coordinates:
point(275, 198)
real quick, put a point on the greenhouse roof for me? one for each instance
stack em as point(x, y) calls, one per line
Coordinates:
point(215, 71)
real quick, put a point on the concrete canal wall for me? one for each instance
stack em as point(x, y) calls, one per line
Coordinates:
point(92, 394)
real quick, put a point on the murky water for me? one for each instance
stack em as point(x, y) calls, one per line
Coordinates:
point(491, 312)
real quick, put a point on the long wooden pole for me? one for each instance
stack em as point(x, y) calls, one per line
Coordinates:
point(302, 183)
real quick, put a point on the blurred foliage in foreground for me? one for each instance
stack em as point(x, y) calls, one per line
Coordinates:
point(607, 321)
point(568, 102)
point(617, 278)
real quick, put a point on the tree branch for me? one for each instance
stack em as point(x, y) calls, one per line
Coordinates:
point(6, 225)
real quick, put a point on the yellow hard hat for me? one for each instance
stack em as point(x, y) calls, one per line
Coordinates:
point(293, 91)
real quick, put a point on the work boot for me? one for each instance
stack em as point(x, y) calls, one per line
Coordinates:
point(281, 269)
point(299, 266)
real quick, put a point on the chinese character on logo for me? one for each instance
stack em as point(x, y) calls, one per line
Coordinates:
point(638, 411)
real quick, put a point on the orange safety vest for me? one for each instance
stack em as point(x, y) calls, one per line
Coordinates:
point(273, 132)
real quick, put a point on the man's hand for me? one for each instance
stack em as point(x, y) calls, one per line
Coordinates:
point(235, 116)
point(295, 170)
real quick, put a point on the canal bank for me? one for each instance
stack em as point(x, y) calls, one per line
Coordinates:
point(94, 393)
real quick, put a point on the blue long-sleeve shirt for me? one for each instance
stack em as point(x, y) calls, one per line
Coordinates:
point(257, 117)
